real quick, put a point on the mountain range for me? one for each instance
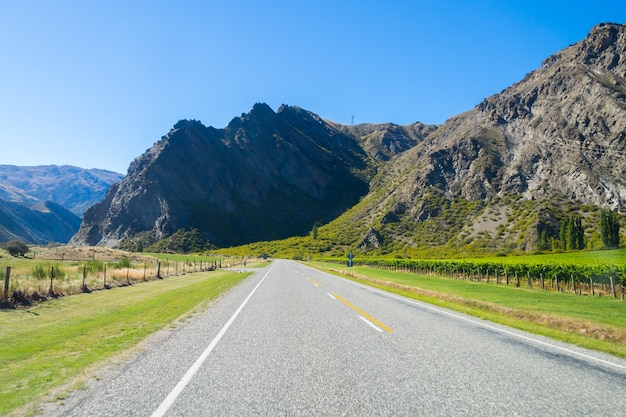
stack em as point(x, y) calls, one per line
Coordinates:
point(500, 175)
point(40, 204)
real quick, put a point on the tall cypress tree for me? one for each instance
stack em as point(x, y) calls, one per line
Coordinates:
point(609, 228)
point(572, 242)
point(563, 233)
point(572, 233)
point(580, 232)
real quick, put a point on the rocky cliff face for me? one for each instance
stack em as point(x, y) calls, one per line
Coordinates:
point(563, 127)
point(265, 176)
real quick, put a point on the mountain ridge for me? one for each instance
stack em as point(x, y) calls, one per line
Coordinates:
point(266, 175)
point(41, 204)
point(550, 143)
point(40, 224)
point(72, 187)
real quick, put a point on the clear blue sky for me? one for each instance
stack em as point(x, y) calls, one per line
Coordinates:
point(96, 83)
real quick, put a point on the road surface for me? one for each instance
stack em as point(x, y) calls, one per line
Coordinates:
point(294, 341)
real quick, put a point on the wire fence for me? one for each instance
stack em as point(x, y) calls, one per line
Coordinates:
point(25, 282)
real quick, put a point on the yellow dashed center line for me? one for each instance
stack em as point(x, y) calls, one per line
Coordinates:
point(317, 284)
point(363, 313)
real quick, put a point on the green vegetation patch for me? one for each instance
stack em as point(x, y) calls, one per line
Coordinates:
point(588, 258)
point(55, 344)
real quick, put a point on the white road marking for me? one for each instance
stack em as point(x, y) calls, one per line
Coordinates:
point(331, 296)
point(371, 324)
point(178, 389)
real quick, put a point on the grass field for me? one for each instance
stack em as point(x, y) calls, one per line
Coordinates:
point(53, 346)
point(594, 322)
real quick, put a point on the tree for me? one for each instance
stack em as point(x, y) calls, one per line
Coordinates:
point(572, 233)
point(314, 232)
point(579, 232)
point(16, 247)
point(609, 228)
point(544, 242)
point(563, 234)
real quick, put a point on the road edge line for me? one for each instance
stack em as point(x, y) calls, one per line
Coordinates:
point(184, 381)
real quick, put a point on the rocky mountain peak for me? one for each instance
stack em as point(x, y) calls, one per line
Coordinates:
point(604, 46)
point(563, 126)
point(265, 176)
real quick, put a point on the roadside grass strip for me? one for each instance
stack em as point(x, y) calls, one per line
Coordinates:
point(52, 348)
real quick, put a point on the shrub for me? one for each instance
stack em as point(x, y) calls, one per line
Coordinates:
point(16, 248)
point(39, 272)
point(94, 266)
point(124, 263)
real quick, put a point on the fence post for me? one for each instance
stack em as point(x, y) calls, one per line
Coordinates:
point(7, 277)
point(159, 270)
point(543, 283)
point(591, 283)
point(530, 284)
point(556, 277)
point(105, 276)
point(613, 287)
point(51, 291)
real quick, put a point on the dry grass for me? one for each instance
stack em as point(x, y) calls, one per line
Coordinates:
point(81, 269)
point(87, 253)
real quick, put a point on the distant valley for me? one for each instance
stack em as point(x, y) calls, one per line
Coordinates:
point(42, 204)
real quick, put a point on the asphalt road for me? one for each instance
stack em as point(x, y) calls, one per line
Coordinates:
point(293, 341)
